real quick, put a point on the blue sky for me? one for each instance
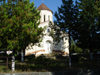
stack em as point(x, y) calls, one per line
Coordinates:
point(51, 4)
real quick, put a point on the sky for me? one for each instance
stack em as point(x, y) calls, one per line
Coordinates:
point(51, 4)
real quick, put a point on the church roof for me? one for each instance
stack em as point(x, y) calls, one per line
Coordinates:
point(43, 7)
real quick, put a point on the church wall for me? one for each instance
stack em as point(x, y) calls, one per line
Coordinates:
point(47, 44)
point(48, 16)
point(62, 45)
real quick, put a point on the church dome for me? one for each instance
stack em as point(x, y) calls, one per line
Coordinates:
point(43, 7)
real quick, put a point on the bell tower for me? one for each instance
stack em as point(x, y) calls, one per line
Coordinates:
point(45, 13)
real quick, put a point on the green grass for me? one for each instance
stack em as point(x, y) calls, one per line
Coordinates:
point(42, 63)
point(4, 69)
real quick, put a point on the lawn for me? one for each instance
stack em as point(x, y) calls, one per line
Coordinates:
point(57, 63)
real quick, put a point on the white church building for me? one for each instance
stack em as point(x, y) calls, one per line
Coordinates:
point(47, 45)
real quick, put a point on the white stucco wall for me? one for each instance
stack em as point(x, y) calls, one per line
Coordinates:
point(47, 44)
point(66, 44)
point(62, 45)
point(48, 16)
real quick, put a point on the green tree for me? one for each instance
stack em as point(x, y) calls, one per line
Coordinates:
point(75, 48)
point(97, 41)
point(19, 21)
point(66, 19)
point(88, 25)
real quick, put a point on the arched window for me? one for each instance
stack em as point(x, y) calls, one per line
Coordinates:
point(48, 30)
point(44, 18)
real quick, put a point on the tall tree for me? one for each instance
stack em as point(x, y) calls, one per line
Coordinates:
point(97, 7)
point(19, 21)
point(88, 24)
point(66, 19)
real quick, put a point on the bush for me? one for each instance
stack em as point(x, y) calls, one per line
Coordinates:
point(30, 58)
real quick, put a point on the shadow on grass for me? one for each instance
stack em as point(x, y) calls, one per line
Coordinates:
point(57, 63)
point(42, 63)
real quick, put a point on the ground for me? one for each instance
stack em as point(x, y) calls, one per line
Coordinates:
point(52, 64)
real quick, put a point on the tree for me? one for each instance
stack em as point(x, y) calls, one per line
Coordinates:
point(19, 21)
point(97, 7)
point(18, 24)
point(66, 19)
point(75, 48)
point(88, 25)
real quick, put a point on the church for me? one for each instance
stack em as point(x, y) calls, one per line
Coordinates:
point(48, 45)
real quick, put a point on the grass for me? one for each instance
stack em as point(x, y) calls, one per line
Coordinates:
point(4, 69)
point(43, 64)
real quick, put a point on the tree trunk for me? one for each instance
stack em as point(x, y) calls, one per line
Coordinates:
point(91, 56)
point(22, 56)
point(70, 64)
point(7, 62)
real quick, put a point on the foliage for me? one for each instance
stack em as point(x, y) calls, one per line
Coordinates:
point(66, 19)
point(38, 63)
point(89, 27)
point(19, 21)
point(81, 21)
point(74, 48)
point(51, 33)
